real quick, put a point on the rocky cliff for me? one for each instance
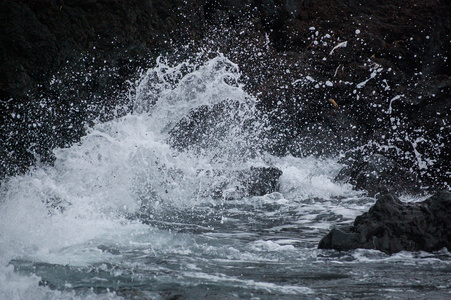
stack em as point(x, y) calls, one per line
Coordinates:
point(379, 74)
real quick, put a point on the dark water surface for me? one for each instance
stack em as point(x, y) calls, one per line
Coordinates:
point(259, 251)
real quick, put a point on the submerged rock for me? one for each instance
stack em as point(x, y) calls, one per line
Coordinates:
point(391, 226)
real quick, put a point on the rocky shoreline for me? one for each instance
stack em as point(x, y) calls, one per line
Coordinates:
point(392, 226)
point(379, 72)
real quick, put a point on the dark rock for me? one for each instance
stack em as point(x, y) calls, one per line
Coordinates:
point(406, 131)
point(379, 174)
point(220, 129)
point(341, 239)
point(172, 295)
point(256, 181)
point(391, 226)
point(274, 45)
point(63, 65)
point(259, 181)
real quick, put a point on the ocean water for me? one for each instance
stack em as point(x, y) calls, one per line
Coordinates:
point(126, 215)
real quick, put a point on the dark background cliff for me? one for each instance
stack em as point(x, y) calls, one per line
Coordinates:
point(66, 63)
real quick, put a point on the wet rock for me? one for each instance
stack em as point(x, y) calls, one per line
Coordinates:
point(277, 44)
point(172, 295)
point(378, 174)
point(256, 181)
point(391, 226)
point(66, 64)
point(402, 119)
point(228, 129)
point(259, 181)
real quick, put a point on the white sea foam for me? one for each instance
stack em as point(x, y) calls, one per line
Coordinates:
point(310, 177)
point(265, 286)
point(61, 214)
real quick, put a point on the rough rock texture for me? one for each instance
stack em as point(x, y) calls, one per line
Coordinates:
point(261, 181)
point(66, 63)
point(39, 37)
point(256, 181)
point(392, 226)
point(378, 174)
point(391, 82)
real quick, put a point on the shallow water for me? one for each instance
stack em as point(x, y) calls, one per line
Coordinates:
point(122, 215)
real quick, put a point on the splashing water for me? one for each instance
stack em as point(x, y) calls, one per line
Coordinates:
point(152, 205)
